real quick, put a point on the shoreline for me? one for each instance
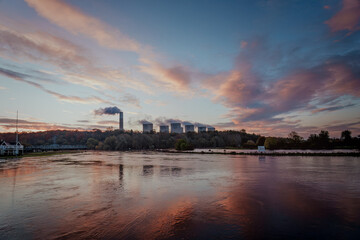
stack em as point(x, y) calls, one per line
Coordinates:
point(41, 154)
point(205, 151)
point(305, 154)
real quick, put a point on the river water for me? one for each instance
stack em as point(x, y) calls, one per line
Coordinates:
point(134, 195)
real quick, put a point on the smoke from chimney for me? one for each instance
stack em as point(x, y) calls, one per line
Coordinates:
point(112, 111)
point(107, 111)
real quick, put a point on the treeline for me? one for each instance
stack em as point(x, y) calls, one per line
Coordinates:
point(314, 141)
point(117, 140)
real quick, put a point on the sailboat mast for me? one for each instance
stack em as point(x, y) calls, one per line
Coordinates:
point(17, 117)
point(17, 137)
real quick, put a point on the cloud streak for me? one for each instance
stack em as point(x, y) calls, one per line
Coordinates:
point(77, 22)
point(23, 78)
point(256, 101)
point(175, 78)
point(9, 123)
point(347, 18)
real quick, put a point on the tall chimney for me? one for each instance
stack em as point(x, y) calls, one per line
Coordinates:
point(121, 123)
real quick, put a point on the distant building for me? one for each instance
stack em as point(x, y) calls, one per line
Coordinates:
point(176, 128)
point(189, 128)
point(147, 127)
point(201, 129)
point(211, 129)
point(164, 128)
point(11, 148)
point(261, 148)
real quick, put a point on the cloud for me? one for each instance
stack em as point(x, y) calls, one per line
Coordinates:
point(2, 88)
point(43, 47)
point(347, 18)
point(73, 63)
point(155, 102)
point(28, 125)
point(83, 121)
point(9, 123)
point(108, 122)
point(23, 78)
point(255, 100)
point(332, 108)
point(143, 121)
point(71, 60)
point(77, 22)
point(130, 99)
point(175, 78)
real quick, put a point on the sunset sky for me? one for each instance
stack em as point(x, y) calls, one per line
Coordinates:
point(267, 66)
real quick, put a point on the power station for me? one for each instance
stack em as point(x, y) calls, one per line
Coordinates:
point(189, 128)
point(176, 128)
point(164, 128)
point(147, 127)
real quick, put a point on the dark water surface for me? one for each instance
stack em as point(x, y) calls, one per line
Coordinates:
point(111, 195)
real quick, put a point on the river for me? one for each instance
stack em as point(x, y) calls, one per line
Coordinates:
point(136, 195)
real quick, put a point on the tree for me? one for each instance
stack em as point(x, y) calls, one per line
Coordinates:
point(346, 136)
point(110, 143)
point(91, 143)
point(271, 143)
point(324, 139)
point(183, 144)
point(294, 136)
point(260, 141)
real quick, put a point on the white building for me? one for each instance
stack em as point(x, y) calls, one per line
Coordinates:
point(11, 149)
point(211, 129)
point(164, 128)
point(176, 128)
point(147, 127)
point(201, 129)
point(189, 128)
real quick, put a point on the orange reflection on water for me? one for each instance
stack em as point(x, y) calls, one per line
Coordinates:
point(111, 195)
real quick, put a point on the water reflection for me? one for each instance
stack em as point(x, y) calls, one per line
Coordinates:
point(163, 196)
point(148, 170)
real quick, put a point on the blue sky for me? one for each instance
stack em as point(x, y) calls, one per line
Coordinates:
point(267, 66)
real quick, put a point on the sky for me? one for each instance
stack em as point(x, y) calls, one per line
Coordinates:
point(267, 66)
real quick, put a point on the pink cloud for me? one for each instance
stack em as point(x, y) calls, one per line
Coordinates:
point(256, 104)
point(347, 18)
point(73, 99)
point(176, 77)
point(77, 22)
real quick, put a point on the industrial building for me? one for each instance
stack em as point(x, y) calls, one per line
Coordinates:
point(121, 121)
point(189, 128)
point(211, 129)
point(176, 128)
point(147, 127)
point(164, 128)
point(201, 129)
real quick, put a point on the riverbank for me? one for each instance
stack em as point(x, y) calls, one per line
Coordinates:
point(269, 153)
point(41, 154)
